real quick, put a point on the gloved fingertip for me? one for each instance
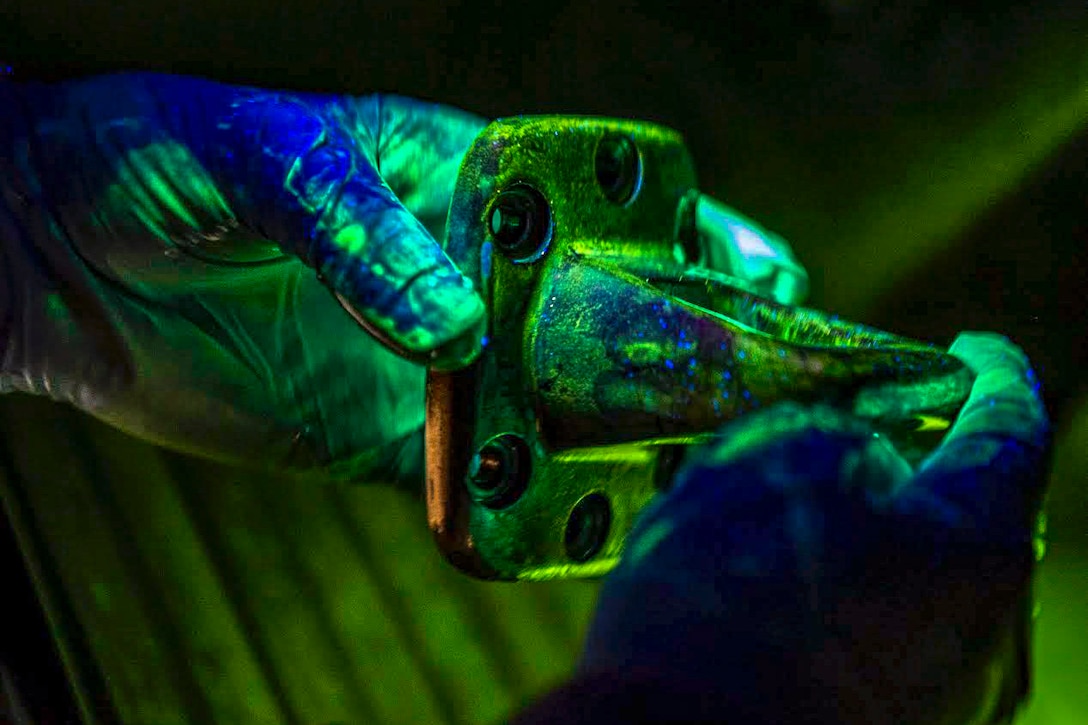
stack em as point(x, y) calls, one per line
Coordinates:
point(462, 350)
point(443, 306)
point(442, 341)
point(404, 290)
point(982, 351)
point(1005, 409)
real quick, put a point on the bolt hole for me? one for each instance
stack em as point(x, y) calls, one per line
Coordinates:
point(587, 527)
point(520, 222)
point(618, 167)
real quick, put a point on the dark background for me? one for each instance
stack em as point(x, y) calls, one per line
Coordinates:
point(927, 160)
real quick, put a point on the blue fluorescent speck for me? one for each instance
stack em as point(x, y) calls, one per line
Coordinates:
point(485, 260)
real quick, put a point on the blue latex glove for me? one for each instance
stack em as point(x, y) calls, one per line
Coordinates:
point(160, 236)
point(800, 572)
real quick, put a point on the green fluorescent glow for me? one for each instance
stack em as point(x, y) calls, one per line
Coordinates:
point(918, 178)
point(160, 185)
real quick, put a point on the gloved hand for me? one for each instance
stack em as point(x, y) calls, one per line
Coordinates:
point(800, 572)
point(160, 237)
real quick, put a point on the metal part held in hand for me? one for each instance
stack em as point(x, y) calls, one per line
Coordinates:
point(610, 348)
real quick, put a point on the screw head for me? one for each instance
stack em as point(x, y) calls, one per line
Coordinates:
point(499, 472)
point(520, 222)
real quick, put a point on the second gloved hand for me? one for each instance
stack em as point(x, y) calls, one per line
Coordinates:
point(800, 571)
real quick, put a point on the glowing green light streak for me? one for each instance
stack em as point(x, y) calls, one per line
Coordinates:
point(925, 175)
point(596, 568)
point(161, 184)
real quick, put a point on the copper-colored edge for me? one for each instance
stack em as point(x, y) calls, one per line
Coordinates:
point(447, 437)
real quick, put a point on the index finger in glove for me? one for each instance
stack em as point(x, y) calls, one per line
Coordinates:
point(303, 170)
point(989, 472)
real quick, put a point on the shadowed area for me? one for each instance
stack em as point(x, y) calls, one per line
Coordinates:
point(926, 160)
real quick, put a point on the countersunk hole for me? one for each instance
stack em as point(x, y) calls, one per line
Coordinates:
point(520, 222)
point(587, 527)
point(618, 166)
